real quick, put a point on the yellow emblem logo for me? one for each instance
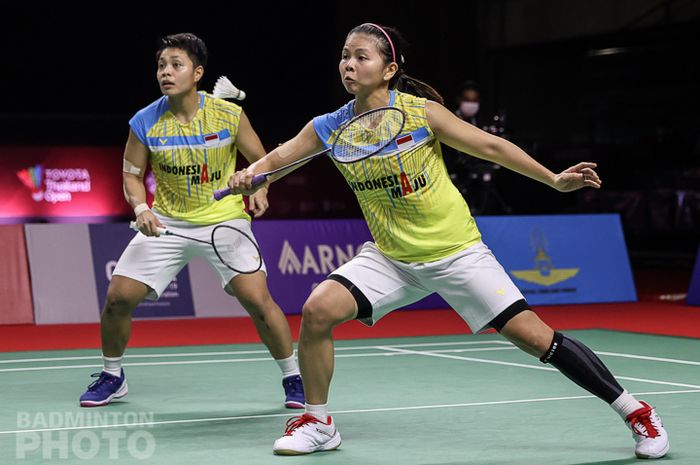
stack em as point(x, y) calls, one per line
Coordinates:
point(543, 272)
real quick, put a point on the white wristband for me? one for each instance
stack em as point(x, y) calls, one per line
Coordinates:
point(140, 208)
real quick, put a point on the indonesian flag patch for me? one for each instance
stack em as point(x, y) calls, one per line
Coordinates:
point(405, 142)
point(211, 140)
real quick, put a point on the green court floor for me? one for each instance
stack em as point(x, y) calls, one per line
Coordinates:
point(429, 401)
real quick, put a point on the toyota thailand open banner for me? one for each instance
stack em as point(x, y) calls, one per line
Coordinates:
point(61, 184)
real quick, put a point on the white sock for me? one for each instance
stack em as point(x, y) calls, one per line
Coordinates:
point(288, 366)
point(319, 411)
point(112, 365)
point(626, 404)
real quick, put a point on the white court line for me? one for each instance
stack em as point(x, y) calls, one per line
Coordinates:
point(393, 350)
point(251, 352)
point(653, 359)
point(523, 365)
point(240, 352)
point(337, 412)
point(236, 360)
point(388, 352)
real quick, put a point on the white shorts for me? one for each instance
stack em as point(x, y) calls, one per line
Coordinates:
point(155, 261)
point(471, 281)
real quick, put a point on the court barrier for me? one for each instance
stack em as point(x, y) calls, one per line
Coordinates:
point(559, 259)
point(15, 292)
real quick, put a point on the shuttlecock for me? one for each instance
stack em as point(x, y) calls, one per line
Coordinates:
point(224, 88)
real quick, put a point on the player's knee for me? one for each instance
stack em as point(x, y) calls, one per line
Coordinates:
point(316, 316)
point(117, 304)
point(257, 304)
point(261, 301)
point(533, 342)
point(540, 341)
point(528, 333)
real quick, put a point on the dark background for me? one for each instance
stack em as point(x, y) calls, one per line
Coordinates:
point(611, 81)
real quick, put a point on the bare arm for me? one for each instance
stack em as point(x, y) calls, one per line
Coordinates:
point(252, 149)
point(464, 137)
point(248, 141)
point(303, 144)
point(136, 158)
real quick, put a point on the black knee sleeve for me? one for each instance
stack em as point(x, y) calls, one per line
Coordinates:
point(578, 363)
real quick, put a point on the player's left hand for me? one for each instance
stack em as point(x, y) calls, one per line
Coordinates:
point(577, 177)
point(257, 202)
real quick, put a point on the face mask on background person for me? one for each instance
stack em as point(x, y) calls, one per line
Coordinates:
point(469, 109)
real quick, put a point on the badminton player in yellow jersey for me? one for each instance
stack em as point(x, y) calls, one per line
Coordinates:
point(425, 241)
point(191, 140)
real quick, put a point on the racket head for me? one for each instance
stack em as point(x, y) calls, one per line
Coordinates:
point(236, 249)
point(368, 134)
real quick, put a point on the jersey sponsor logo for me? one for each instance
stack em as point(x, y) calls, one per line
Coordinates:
point(397, 185)
point(197, 174)
point(543, 272)
point(54, 185)
point(163, 141)
point(322, 260)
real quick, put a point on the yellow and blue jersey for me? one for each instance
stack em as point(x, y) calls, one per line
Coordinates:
point(190, 161)
point(413, 210)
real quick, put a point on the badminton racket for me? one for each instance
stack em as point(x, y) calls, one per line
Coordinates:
point(363, 136)
point(234, 247)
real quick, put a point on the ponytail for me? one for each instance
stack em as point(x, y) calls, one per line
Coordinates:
point(410, 85)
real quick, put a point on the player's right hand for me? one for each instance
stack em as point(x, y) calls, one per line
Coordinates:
point(241, 182)
point(148, 224)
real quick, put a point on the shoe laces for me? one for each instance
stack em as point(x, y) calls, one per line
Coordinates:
point(642, 423)
point(295, 423)
point(102, 378)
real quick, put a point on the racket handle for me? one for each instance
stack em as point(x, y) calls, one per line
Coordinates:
point(257, 180)
point(163, 231)
point(221, 193)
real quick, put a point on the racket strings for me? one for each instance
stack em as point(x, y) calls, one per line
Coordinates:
point(236, 249)
point(367, 134)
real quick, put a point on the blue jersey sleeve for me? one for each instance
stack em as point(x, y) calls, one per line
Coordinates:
point(326, 125)
point(138, 128)
point(147, 117)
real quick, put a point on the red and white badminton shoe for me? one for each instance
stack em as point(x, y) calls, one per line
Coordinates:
point(648, 432)
point(307, 434)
